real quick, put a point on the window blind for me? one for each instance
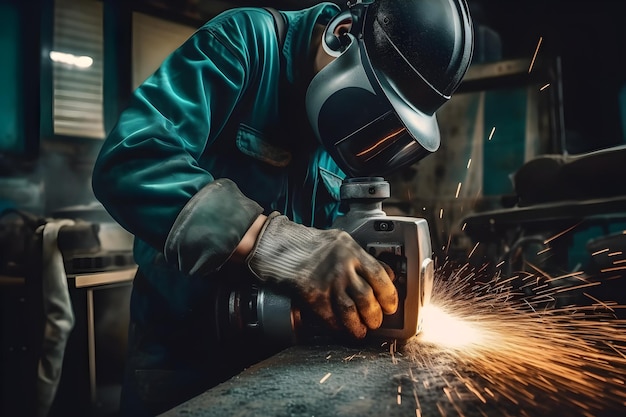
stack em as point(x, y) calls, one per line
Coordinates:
point(77, 68)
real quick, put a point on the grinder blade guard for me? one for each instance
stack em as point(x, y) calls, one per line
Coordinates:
point(254, 311)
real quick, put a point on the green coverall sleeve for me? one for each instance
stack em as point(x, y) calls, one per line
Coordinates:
point(148, 172)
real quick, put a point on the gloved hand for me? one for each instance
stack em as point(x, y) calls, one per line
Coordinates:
point(343, 284)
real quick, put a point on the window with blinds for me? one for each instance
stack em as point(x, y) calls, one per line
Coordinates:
point(77, 68)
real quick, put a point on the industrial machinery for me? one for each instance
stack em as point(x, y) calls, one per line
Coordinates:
point(253, 311)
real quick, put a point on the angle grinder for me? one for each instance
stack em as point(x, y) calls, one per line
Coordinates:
point(249, 310)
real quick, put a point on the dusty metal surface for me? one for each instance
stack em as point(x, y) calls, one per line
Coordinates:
point(375, 381)
point(314, 381)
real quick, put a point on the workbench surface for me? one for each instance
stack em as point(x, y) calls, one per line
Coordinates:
point(385, 380)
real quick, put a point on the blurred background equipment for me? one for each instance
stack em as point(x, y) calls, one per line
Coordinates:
point(64, 316)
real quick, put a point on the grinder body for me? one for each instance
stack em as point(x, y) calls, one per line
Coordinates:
point(251, 310)
point(401, 242)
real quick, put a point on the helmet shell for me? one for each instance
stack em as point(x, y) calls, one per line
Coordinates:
point(432, 39)
point(374, 107)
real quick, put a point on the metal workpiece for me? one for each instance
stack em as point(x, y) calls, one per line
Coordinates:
point(334, 381)
point(415, 379)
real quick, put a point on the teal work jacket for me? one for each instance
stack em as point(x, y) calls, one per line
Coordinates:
point(221, 106)
point(216, 136)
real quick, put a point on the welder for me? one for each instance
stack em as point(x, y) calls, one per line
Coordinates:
point(228, 160)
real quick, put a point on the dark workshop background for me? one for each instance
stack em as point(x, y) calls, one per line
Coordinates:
point(548, 78)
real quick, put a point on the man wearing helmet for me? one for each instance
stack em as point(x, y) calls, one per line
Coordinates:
point(229, 158)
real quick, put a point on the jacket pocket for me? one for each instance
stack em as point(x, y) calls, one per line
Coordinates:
point(252, 143)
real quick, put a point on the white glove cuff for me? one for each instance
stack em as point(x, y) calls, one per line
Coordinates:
point(280, 249)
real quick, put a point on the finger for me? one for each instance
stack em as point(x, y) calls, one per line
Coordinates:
point(368, 307)
point(376, 275)
point(322, 307)
point(349, 316)
point(388, 270)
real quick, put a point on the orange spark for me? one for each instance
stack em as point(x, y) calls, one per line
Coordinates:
point(324, 378)
point(532, 62)
point(502, 350)
point(545, 242)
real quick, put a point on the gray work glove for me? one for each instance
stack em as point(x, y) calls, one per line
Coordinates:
point(343, 284)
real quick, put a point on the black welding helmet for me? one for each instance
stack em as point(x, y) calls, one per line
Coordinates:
point(373, 107)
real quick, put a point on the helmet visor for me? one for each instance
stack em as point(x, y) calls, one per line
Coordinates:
point(379, 147)
point(358, 124)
